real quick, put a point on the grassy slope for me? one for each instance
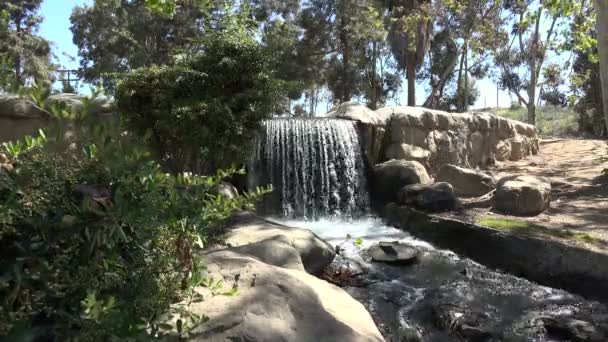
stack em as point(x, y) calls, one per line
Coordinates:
point(550, 120)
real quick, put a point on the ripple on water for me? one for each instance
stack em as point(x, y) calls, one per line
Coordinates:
point(443, 297)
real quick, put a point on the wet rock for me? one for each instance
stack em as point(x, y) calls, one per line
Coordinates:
point(408, 152)
point(393, 253)
point(466, 182)
point(394, 174)
point(523, 195)
point(433, 197)
point(246, 228)
point(566, 328)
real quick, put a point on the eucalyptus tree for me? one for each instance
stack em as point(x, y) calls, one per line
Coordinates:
point(601, 10)
point(115, 36)
point(20, 45)
point(523, 49)
point(459, 49)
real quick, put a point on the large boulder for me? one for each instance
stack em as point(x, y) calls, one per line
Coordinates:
point(394, 174)
point(356, 112)
point(276, 251)
point(13, 106)
point(430, 197)
point(523, 195)
point(276, 304)
point(246, 228)
point(466, 182)
point(408, 152)
point(99, 106)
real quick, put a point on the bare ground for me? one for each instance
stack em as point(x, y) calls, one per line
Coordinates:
point(579, 209)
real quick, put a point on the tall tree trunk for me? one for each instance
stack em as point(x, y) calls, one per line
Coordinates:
point(432, 100)
point(533, 74)
point(411, 81)
point(373, 100)
point(346, 91)
point(601, 25)
point(459, 81)
point(465, 94)
point(17, 60)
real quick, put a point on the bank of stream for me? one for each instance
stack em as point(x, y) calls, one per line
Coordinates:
point(444, 297)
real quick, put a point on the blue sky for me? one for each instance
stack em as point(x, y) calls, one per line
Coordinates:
point(56, 28)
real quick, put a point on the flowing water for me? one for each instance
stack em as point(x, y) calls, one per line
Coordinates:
point(317, 171)
point(315, 167)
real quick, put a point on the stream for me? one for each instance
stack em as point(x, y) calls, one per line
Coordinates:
point(443, 297)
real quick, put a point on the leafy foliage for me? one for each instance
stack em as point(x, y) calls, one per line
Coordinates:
point(97, 240)
point(114, 37)
point(201, 114)
point(24, 55)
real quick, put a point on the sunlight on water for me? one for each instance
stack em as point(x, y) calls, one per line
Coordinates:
point(370, 230)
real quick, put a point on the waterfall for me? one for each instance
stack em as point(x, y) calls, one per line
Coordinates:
point(315, 167)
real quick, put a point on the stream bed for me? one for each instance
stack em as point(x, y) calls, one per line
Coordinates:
point(443, 297)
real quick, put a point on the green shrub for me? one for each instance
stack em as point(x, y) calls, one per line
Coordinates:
point(97, 241)
point(202, 113)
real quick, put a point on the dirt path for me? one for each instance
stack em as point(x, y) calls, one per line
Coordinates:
point(580, 193)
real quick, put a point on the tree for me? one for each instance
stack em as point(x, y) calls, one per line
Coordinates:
point(202, 113)
point(114, 37)
point(28, 53)
point(410, 36)
point(601, 9)
point(521, 67)
point(465, 32)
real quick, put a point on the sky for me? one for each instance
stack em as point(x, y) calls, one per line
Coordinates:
point(56, 28)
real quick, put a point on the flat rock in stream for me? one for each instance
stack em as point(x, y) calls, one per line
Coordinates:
point(393, 253)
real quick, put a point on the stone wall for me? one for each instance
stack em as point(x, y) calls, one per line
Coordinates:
point(20, 117)
point(435, 138)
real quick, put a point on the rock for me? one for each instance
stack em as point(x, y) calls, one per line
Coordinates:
point(13, 106)
point(503, 150)
point(277, 252)
point(226, 189)
point(523, 195)
point(99, 106)
point(466, 182)
point(568, 329)
point(393, 253)
point(277, 304)
point(517, 148)
point(394, 174)
point(246, 228)
point(356, 112)
point(408, 152)
point(434, 197)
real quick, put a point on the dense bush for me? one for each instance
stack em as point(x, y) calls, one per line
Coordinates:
point(202, 113)
point(97, 241)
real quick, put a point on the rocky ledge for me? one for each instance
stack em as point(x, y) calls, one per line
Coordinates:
point(435, 138)
point(272, 296)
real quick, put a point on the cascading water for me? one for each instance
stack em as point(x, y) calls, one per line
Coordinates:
point(315, 167)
